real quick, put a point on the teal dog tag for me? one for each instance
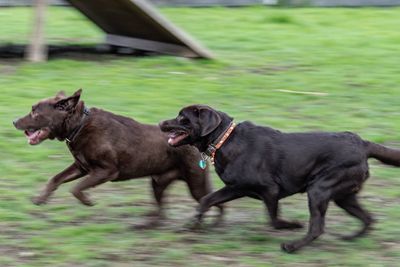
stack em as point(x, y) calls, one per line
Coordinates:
point(203, 164)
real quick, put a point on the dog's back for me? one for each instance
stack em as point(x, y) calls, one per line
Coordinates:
point(135, 148)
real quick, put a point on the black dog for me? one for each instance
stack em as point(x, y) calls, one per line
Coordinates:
point(267, 164)
point(108, 147)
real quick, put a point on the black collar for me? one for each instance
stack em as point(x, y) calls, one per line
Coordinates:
point(76, 131)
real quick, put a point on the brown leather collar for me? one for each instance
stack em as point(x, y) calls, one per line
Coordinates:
point(213, 147)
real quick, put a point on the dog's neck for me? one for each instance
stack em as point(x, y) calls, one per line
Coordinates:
point(214, 136)
point(72, 122)
point(71, 137)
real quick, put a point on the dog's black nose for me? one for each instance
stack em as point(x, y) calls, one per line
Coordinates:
point(15, 122)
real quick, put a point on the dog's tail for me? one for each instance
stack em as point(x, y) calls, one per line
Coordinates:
point(384, 154)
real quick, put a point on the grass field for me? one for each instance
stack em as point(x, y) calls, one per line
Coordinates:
point(292, 69)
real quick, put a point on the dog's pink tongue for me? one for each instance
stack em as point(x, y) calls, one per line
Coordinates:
point(171, 141)
point(175, 138)
point(171, 138)
point(33, 137)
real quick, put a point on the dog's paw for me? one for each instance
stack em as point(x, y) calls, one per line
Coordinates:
point(194, 225)
point(39, 200)
point(88, 202)
point(85, 200)
point(281, 224)
point(288, 247)
point(153, 214)
point(218, 222)
point(148, 225)
point(294, 225)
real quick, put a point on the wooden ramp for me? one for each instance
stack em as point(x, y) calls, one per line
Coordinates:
point(138, 25)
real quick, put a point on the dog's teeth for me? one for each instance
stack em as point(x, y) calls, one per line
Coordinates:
point(172, 135)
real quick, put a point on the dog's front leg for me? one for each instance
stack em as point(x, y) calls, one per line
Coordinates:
point(96, 177)
point(69, 174)
point(220, 196)
point(270, 198)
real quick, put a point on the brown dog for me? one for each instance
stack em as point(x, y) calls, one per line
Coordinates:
point(108, 147)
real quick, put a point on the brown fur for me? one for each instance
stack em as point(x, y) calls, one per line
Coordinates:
point(109, 147)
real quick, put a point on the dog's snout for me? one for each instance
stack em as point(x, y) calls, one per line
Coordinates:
point(15, 123)
point(163, 125)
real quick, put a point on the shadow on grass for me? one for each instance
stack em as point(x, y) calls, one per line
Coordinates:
point(77, 52)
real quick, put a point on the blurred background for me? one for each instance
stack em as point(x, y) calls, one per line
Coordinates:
point(312, 65)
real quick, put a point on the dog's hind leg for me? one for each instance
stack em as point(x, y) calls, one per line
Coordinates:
point(318, 201)
point(351, 205)
point(71, 173)
point(159, 184)
point(96, 177)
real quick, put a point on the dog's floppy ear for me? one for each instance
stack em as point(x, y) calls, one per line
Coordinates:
point(69, 102)
point(209, 120)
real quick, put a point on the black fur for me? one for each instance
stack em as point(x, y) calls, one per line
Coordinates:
point(266, 164)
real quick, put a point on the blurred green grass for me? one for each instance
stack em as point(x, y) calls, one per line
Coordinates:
point(292, 69)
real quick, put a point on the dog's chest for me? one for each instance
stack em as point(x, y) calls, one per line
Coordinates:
point(223, 174)
point(79, 158)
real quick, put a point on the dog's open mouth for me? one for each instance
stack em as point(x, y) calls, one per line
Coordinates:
point(175, 137)
point(36, 136)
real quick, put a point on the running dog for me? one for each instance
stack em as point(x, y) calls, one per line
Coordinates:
point(264, 163)
point(108, 147)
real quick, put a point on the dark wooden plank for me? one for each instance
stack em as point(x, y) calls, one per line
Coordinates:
point(137, 19)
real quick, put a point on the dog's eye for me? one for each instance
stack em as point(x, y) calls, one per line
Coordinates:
point(184, 121)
